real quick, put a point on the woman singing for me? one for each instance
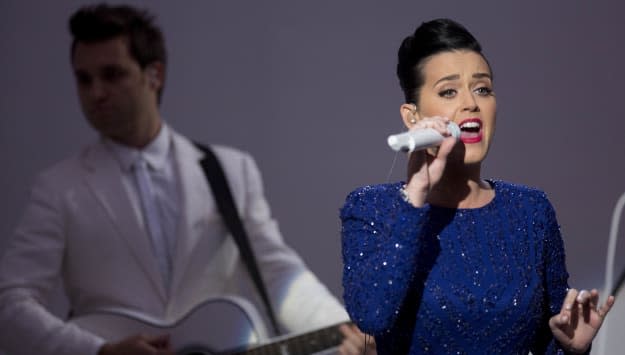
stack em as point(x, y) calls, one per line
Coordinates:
point(450, 262)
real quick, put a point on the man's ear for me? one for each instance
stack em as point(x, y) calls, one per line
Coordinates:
point(409, 114)
point(155, 73)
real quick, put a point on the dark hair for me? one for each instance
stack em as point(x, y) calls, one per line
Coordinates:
point(102, 22)
point(430, 38)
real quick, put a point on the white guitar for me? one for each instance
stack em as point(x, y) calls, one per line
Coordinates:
point(218, 326)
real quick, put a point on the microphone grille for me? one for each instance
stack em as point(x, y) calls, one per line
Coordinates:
point(454, 129)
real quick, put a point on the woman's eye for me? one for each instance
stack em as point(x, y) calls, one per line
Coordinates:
point(447, 93)
point(484, 91)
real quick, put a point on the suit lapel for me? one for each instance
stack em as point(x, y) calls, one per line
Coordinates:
point(198, 210)
point(104, 178)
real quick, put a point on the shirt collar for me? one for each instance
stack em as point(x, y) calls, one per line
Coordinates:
point(155, 153)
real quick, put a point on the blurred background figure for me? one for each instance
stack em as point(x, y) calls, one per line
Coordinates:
point(130, 223)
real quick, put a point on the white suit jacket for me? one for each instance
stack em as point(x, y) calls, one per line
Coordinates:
point(79, 226)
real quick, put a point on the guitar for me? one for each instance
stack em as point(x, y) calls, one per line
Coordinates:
point(218, 326)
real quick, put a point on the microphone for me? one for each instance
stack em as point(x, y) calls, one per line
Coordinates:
point(420, 138)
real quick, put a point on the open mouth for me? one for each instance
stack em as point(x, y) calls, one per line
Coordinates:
point(471, 130)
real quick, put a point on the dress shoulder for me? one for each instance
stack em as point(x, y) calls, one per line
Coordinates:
point(370, 196)
point(375, 189)
point(513, 191)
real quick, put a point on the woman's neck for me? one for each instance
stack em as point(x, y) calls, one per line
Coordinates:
point(461, 188)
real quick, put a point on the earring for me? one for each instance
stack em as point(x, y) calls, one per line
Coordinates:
point(414, 120)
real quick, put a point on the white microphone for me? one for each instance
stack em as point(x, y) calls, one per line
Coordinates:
point(420, 138)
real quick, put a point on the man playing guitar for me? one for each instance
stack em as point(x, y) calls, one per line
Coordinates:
point(131, 224)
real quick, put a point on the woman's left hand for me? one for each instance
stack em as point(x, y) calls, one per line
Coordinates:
point(579, 320)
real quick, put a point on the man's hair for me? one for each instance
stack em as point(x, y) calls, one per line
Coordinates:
point(101, 22)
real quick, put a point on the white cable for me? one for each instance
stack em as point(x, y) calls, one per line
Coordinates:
point(609, 264)
point(388, 176)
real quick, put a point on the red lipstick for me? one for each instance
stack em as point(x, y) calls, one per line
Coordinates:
point(471, 130)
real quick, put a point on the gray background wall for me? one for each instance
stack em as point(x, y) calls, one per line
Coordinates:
point(309, 88)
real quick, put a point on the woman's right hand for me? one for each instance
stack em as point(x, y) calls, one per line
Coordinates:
point(425, 167)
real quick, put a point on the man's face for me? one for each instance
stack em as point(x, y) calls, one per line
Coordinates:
point(117, 96)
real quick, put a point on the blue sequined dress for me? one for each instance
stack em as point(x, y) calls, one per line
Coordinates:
point(436, 280)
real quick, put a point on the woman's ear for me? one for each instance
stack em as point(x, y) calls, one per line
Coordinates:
point(409, 114)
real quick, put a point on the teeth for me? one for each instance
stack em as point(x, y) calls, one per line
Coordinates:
point(470, 125)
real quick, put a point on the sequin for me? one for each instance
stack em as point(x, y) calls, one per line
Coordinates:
point(453, 281)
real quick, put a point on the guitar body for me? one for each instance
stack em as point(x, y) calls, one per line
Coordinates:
point(215, 326)
point(218, 326)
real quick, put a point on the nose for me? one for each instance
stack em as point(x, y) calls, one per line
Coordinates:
point(97, 90)
point(469, 102)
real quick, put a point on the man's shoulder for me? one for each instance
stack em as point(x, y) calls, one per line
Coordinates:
point(229, 152)
point(235, 162)
point(223, 152)
point(227, 155)
point(67, 170)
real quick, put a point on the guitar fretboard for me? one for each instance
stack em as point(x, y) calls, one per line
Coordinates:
point(304, 344)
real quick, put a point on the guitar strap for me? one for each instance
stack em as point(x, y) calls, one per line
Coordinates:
point(225, 204)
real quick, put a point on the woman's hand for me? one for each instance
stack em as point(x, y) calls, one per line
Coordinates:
point(579, 320)
point(356, 342)
point(425, 167)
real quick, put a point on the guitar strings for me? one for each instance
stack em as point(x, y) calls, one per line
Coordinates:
point(364, 351)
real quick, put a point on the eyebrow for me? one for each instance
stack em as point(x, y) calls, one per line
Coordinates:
point(457, 76)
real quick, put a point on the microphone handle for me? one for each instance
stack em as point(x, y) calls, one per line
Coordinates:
point(420, 139)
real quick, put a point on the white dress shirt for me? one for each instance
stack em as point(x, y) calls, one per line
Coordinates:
point(164, 176)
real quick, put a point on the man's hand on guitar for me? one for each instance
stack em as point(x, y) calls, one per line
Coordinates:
point(139, 345)
point(356, 342)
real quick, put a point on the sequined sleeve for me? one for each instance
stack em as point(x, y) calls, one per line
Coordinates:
point(555, 276)
point(380, 243)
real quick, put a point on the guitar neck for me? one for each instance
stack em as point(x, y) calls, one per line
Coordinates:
point(304, 344)
point(195, 333)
